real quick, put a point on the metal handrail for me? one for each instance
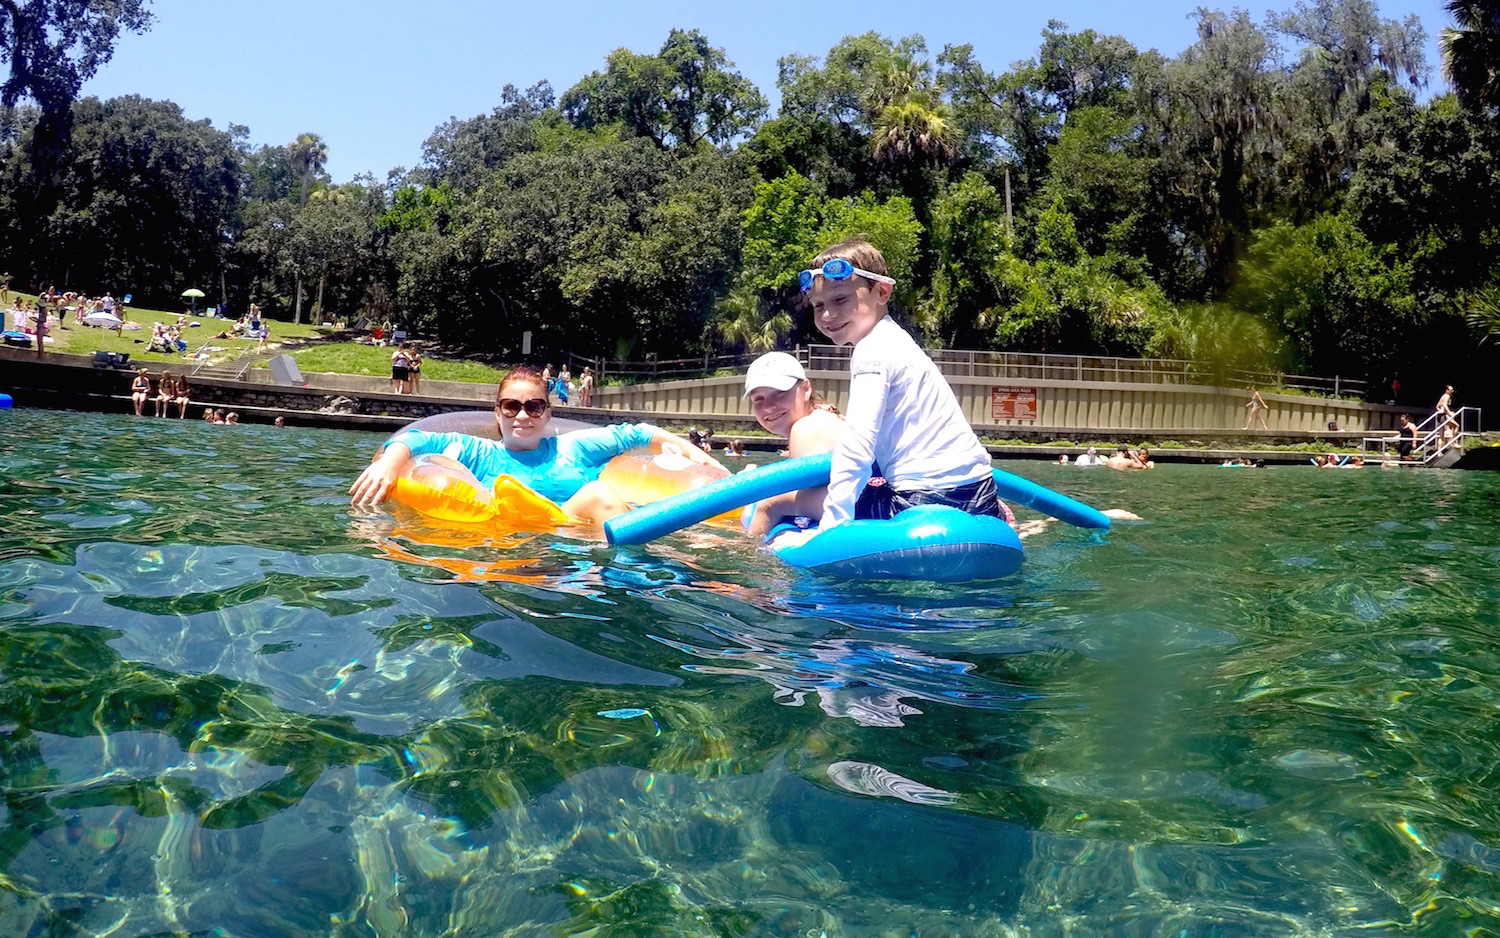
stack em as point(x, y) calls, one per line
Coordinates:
point(1429, 440)
point(1117, 370)
point(1007, 365)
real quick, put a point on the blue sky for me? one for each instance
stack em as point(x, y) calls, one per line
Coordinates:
point(375, 77)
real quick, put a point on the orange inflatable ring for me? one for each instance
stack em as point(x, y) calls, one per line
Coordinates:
point(443, 489)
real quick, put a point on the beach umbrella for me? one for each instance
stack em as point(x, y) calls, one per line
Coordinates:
point(102, 319)
point(192, 294)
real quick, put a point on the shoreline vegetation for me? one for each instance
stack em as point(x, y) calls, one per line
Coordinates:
point(1277, 197)
point(317, 350)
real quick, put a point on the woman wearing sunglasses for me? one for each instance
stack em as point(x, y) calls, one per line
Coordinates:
point(563, 467)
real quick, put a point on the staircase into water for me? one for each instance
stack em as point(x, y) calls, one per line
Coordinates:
point(236, 368)
point(1439, 441)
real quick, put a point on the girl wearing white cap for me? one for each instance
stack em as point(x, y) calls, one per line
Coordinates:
point(785, 404)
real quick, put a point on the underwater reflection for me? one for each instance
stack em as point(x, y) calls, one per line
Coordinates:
point(863, 680)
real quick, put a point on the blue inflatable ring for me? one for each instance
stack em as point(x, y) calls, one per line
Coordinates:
point(925, 543)
point(928, 542)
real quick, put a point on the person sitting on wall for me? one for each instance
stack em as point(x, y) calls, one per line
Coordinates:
point(181, 396)
point(140, 391)
point(166, 392)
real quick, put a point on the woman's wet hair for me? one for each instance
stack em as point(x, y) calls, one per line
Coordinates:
point(519, 373)
point(817, 402)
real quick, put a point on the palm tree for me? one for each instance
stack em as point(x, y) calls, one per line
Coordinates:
point(743, 321)
point(899, 78)
point(1484, 313)
point(910, 122)
point(916, 130)
point(308, 154)
point(324, 197)
point(1471, 52)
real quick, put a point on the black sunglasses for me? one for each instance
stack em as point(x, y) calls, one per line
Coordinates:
point(510, 407)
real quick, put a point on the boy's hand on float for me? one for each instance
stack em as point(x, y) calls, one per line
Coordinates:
point(792, 538)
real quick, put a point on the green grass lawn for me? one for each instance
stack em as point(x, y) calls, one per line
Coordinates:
point(350, 358)
point(79, 339)
point(353, 358)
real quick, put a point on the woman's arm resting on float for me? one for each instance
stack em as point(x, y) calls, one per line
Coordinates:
point(694, 454)
point(601, 444)
point(375, 483)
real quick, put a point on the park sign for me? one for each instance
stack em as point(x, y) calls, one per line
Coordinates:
point(1010, 403)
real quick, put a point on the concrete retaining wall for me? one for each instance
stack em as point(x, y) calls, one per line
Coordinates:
point(1062, 410)
point(1074, 408)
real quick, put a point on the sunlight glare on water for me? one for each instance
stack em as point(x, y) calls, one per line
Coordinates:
point(232, 704)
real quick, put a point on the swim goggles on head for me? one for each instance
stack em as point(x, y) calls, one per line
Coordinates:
point(839, 269)
point(510, 407)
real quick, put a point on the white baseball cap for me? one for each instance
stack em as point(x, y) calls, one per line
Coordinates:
point(776, 370)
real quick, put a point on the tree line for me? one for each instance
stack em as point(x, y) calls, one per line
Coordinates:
point(1277, 196)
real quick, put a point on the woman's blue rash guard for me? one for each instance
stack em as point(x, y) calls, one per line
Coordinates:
point(557, 468)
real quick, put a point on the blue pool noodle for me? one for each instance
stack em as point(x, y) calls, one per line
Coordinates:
point(649, 522)
point(1040, 498)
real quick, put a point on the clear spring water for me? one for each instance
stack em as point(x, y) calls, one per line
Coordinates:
point(228, 706)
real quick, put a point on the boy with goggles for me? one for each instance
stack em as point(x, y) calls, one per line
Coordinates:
point(839, 268)
point(903, 421)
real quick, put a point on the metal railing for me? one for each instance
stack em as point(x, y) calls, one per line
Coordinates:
point(1099, 368)
point(1439, 436)
point(1002, 365)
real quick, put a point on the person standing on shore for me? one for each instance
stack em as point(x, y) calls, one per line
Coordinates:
point(400, 370)
point(1255, 409)
point(41, 320)
point(413, 371)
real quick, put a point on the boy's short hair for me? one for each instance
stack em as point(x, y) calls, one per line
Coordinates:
point(857, 251)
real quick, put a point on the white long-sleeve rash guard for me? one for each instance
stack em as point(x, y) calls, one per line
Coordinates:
point(903, 415)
